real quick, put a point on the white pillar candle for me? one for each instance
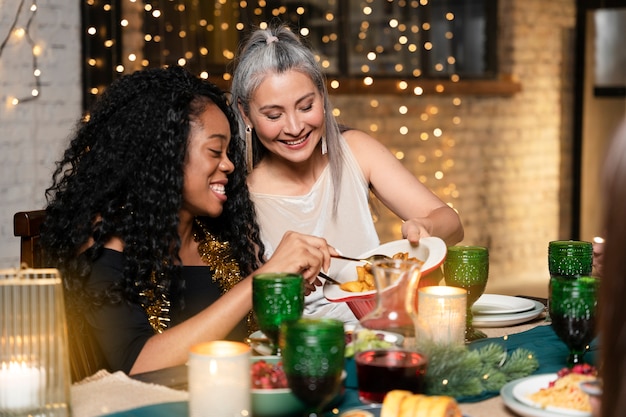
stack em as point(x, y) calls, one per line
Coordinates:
point(219, 380)
point(20, 386)
point(441, 314)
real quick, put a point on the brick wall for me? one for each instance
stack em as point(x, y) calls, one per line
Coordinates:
point(504, 164)
point(32, 134)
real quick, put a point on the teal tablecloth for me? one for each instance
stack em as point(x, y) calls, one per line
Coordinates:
point(549, 350)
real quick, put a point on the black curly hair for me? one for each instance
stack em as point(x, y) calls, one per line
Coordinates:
point(122, 176)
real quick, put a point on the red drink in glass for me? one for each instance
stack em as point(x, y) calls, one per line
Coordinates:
point(380, 371)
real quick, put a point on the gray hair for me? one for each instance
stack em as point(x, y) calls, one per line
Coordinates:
point(275, 51)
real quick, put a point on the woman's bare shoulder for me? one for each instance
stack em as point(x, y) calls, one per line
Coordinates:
point(364, 145)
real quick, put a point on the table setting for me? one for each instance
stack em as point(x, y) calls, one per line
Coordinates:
point(487, 357)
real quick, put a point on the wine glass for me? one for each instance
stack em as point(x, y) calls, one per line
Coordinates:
point(573, 258)
point(313, 359)
point(573, 303)
point(467, 267)
point(276, 297)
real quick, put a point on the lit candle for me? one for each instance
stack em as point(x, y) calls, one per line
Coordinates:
point(219, 380)
point(441, 314)
point(20, 386)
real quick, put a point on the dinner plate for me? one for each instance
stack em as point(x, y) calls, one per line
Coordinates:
point(501, 304)
point(532, 384)
point(372, 409)
point(431, 250)
point(503, 320)
point(512, 390)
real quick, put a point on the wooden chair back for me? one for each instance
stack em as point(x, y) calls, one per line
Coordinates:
point(27, 226)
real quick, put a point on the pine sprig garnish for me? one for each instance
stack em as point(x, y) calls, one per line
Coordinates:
point(460, 372)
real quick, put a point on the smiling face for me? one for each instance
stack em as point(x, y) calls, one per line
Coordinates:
point(207, 165)
point(287, 113)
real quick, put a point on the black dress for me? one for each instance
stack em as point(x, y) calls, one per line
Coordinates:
point(121, 330)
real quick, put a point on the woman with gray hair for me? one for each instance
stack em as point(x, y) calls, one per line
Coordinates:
point(308, 175)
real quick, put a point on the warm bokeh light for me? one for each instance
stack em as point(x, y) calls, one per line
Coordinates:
point(209, 40)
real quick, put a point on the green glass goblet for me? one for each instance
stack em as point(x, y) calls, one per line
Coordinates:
point(467, 267)
point(276, 297)
point(569, 258)
point(313, 359)
point(573, 304)
point(572, 258)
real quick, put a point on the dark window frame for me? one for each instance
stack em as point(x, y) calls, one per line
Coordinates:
point(107, 20)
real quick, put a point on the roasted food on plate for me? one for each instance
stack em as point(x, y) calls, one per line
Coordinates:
point(365, 278)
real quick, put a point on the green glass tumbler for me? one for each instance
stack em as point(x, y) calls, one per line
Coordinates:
point(572, 258)
point(276, 297)
point(573, 305)
point(313, 353)
point(467, 267)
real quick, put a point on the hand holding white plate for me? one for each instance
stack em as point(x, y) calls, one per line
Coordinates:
point(431, 250)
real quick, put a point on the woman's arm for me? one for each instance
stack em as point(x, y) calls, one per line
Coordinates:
point(296, 253)
point(423, 212)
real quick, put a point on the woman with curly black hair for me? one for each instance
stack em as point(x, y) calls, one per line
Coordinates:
point(150, 223)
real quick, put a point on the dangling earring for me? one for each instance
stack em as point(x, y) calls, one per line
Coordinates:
point(249, 149)
point(324, 146)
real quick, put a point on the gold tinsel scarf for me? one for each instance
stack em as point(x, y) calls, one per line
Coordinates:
point(217, 255)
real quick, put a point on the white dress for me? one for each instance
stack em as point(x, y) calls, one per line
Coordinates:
point(351, 231)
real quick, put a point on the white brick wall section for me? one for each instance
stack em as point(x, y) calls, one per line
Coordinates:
point(33, 134)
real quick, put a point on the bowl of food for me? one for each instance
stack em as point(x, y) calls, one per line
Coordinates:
point(271, 396)
point(361, 299)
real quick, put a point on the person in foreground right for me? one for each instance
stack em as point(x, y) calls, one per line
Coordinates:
point(612, 322)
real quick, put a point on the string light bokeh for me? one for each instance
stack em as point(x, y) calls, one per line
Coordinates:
point(19, 36)
point(408, 41)
point(391, 39)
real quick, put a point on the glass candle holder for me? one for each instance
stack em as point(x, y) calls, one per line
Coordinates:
point(441, 314)
point(219, 380)
point(34, 356)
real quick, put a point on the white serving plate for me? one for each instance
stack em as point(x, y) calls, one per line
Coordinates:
point(514, 394)
point(431, 250)
point(501, 304)
point(503, 320)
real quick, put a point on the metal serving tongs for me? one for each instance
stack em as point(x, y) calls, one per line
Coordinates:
point(327, 278)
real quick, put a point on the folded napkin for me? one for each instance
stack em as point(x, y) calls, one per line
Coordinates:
point(105, 393)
